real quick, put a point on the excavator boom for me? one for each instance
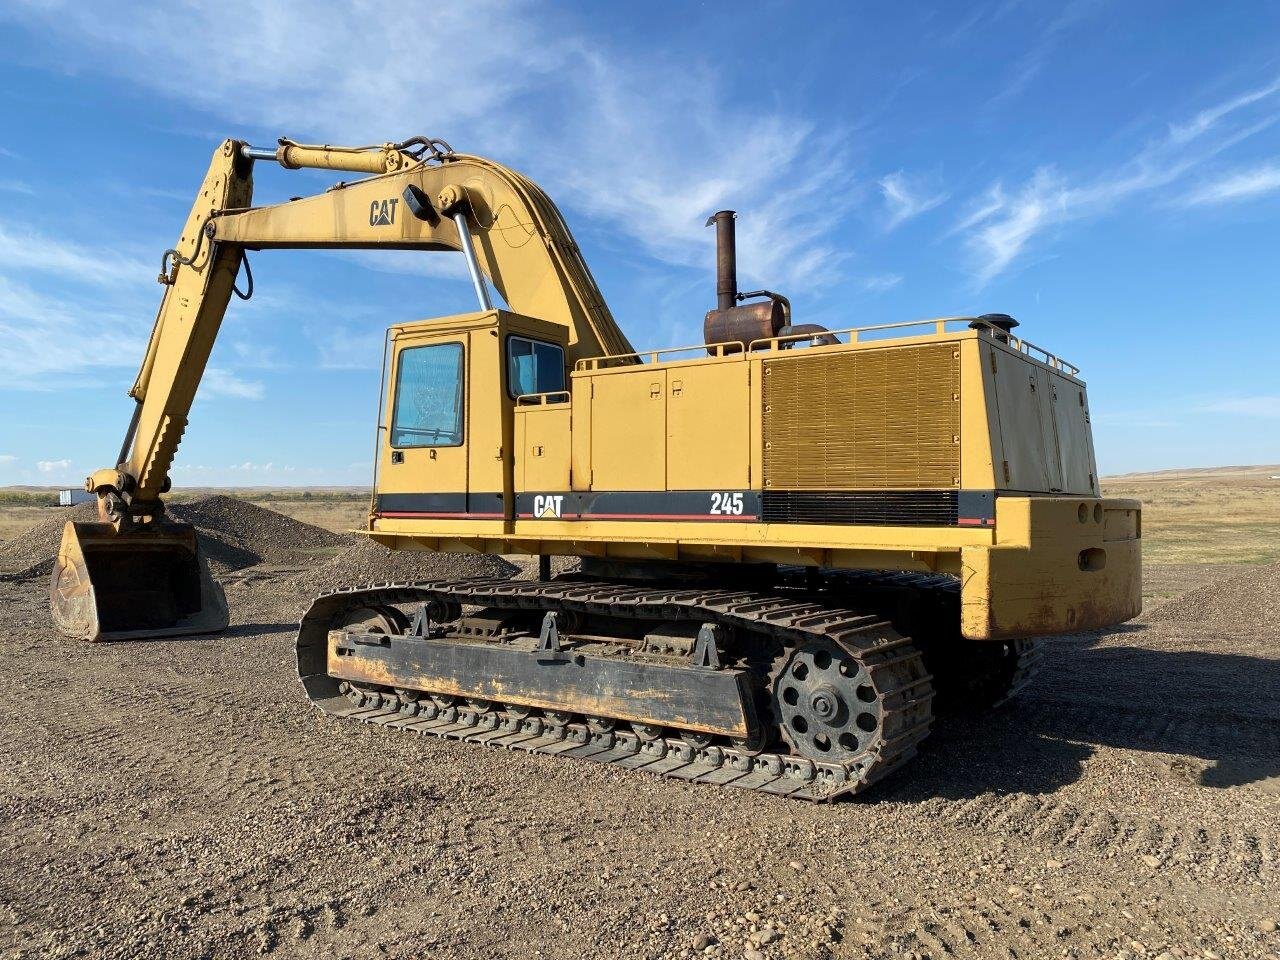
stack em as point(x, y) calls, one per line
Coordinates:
point(421, 196)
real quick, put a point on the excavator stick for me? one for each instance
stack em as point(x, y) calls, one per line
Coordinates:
point(151, 581)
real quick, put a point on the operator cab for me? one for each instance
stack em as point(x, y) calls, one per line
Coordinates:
point(457, 391)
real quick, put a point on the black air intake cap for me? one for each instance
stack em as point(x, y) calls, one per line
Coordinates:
point(1001, 321)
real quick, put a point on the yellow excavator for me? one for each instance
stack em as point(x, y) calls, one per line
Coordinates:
point(795, 542)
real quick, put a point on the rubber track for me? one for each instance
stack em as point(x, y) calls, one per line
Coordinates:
point(896, 667)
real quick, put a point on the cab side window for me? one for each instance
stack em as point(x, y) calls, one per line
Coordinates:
point(429, 397)
point(533, 366)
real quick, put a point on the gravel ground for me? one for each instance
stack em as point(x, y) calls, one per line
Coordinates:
point(179, 798)
point(1249, 601)
point(368, 562)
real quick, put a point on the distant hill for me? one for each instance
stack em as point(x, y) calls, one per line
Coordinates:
point(1254, 472)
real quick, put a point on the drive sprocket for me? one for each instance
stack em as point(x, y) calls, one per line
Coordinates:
point(826, 703)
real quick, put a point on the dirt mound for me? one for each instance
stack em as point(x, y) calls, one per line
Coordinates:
point(33, 551)
point(233, 534)
point(1248, 602)
point(366, 561)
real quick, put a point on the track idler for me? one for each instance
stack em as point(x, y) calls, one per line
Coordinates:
point(146, 581)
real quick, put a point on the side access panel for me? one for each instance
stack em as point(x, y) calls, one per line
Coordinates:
point(629, 430)
point(1026, 426)
point(542, 443)
point(709, 427)
point(1075, 436)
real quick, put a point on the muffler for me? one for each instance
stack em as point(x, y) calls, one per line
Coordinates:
point(150, 581)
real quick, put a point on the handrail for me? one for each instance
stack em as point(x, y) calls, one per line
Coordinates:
point(939, 325)
point(542, 399)
point(717, 350)
point(1050, 359)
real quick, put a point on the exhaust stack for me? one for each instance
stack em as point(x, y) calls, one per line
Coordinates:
point(726, 258)
point(731, 328)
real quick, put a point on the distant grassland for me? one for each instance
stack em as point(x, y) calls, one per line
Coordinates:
point(334, 509)
point(1223, 515)
point(348, 512)
point(1228, 515)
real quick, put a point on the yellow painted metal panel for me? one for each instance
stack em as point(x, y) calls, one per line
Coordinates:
point(580, 439)
point(629, 430)
point(542, 447)
point(708, 427)
point(884, 418)
point(489, 415)
point(756, 409)
point(1060, 564)
point(981, 450)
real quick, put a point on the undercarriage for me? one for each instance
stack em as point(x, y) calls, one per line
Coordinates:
point(813, 686)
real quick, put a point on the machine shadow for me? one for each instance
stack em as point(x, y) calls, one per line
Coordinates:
point(1220, 710)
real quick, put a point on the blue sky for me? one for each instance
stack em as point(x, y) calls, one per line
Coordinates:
point(1107, 172)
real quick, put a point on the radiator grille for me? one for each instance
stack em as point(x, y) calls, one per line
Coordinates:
point(880, 419)
point(906, 508)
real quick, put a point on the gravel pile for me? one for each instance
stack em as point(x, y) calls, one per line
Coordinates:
point(233, 534)
point(34, 550)
point(368, 562)
point(1248, 602)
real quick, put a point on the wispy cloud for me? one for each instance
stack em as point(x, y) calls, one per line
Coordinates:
point(1028, 65)
point(1001, 224)
point(881, 283)
point(1241, 185)
point(647, 138)
point(219, 382)
point(1005, 224)
point(440, 265)
point(75, 316)
point(345, 348)
point(44, 336)
point(906, 197)
point(248, 466)
point(51, 466)
point(1265, 405)
point(39, 253)
point(17, 186)
point(8, 458)
point(1207, 119)
point(255, 356)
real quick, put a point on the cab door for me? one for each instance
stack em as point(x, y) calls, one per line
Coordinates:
point(423, 460)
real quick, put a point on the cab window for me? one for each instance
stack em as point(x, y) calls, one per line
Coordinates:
point(533, 366)
point(428, 400)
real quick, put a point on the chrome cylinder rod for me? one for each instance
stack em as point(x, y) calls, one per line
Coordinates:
point(468, 251)
point(258, 153)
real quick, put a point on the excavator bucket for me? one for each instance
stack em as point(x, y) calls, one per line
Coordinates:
point(149, 582)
